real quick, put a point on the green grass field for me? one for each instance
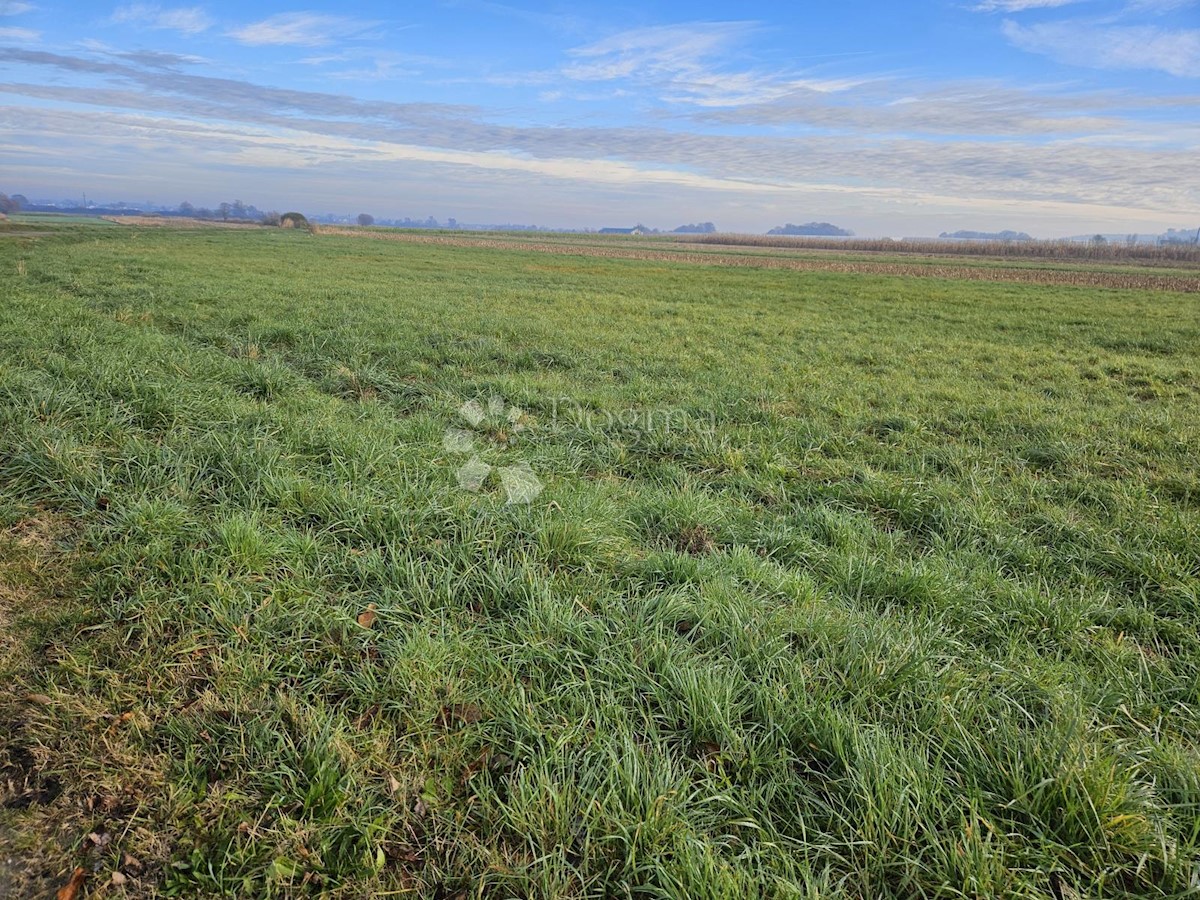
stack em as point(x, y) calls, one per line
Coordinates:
point(839, 586)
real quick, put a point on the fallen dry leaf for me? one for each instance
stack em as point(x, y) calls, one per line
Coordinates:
point(118, 879)
point(367, 617)
point(70, 890)
point(39, 699)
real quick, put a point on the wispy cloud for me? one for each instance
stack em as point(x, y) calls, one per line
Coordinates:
point(20, 35)
point(15, 7)
point(157, 59)
point(559, 22)
point(383, 67)
point(1159, 6)
point(976, 108)
point(1100, 46)
point(689, 63)
point(1012, 6)
point(186, 20)
point(302, 29)
point(371, 64)
point(656, 52)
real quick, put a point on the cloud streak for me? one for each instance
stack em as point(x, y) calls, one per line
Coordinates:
point(1174, 51)
point(688, 63)
point(1014, 6)
point(301, 29)
point(189, 20)
point(20, 35)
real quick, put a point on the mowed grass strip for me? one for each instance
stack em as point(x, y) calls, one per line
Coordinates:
point(838, 586)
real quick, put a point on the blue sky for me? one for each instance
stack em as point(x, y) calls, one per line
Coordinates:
point(1049, 116)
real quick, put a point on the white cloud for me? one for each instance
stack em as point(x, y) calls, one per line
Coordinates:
point(370, 64)
point(15, 7)
point(1158, 6)
point(976, 108)
point(186, 20)
point(1175, 51)
point(1011, 6)
point(301, 29)
point(21, 35)
point(664, 50)
point(690, 63)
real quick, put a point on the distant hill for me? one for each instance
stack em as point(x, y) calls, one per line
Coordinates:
point(985, 236)
point(699, 228)
point(812, 229)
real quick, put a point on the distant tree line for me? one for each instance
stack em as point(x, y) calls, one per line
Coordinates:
point(1174, 236)
point(699, 228)
point(812, 229)
point(366, 219)
point(1059, 249)
point(234, 210)
point(15, 203)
